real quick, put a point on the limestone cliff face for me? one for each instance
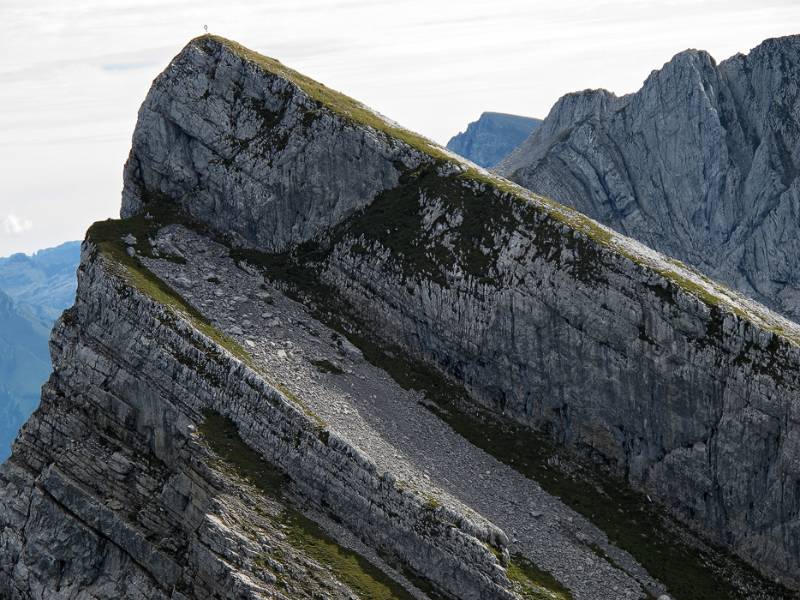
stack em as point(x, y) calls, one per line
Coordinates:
point(172, 419)
point(545, 316)
point(492, 137)
point(701, 164)
point(278, 169)
point(111, 492)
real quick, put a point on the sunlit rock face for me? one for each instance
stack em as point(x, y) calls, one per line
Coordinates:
point(537, 320)
point(701, 164)
point(268, 218)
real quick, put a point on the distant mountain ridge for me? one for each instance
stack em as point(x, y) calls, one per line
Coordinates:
point(34, 290)
point(44, 280)
point(24, 365)
point(492, 137)
point(701, 163)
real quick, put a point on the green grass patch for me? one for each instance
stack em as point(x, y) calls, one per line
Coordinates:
point(107, 236)
point(533, 583)
point(349, 567)
point(223, 438)
point(431, 502)
point(710, 293)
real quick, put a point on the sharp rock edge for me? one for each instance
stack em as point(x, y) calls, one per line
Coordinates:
point(558, 323)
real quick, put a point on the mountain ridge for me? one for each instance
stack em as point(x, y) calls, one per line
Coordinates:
point(34, 290)
point(256, 276)
point(492, 137)
point(135, 196)
point(443, 259)
point(700, 163)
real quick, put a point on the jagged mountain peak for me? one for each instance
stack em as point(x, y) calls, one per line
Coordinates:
point(579, 106)
point(700, 163)
point(318, 342)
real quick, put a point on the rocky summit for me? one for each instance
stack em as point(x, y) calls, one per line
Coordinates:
point(701, 163)
point(321, 357)
point(492, 137)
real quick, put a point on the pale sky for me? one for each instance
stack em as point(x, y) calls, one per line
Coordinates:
point(73, 74)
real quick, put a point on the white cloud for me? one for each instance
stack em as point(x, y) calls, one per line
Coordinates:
point(14, 225)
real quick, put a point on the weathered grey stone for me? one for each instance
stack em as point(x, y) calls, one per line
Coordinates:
point(617, 351)
point(118, 420)
point(541, 314)
point(701, 164)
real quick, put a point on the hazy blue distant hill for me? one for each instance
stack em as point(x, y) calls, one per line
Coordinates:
point(44, 281)
point(34, 290)
point(24, 365)
point(492, 137)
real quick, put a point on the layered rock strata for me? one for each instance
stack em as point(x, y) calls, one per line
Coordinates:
point(112, 462)
point(121, 485)
point(701, 164)
point(544, 315)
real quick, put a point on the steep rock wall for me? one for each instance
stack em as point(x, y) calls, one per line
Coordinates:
point(701, 163)
point(688, 388)
point(106, 493)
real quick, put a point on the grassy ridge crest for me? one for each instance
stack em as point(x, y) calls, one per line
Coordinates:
point(683, 277)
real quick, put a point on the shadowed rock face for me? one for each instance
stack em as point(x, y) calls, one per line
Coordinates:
point(492, 137)
point(280, 169)
point(700, 164)
point(540, 314)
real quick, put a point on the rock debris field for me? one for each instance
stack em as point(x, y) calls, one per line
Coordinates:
point(391, 424)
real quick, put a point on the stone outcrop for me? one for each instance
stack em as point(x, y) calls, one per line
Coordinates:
point(109, 492)
point(701, 164)
point(492, 137)
point(117, 486)
point(544, 315)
